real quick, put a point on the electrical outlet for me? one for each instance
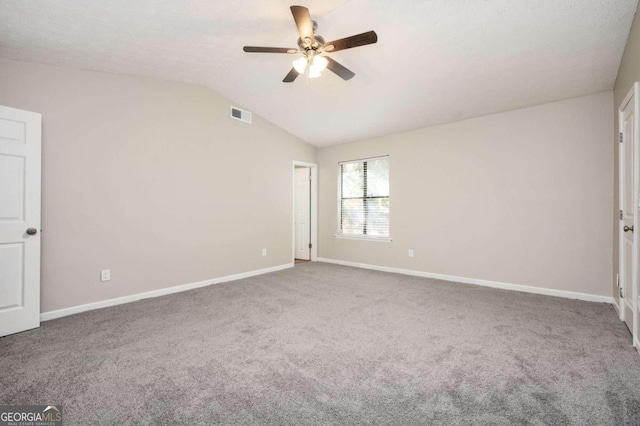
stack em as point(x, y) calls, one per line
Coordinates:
point(105, 275)
point(264, 252)
point(410, 252)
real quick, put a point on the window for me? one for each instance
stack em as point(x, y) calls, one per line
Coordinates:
point(364, 198)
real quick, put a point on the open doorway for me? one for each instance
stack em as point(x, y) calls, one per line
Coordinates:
point(302, 218)
point(304, 212)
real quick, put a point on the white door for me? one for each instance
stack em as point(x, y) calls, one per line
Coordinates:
point(628, 209)
point(19, 220)
point(302, 216)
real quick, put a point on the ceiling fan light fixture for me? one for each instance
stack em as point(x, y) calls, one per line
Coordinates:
point(314, 73)
point(319, 63)
point(300, 64)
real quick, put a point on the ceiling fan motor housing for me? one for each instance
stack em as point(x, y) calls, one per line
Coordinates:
point(317, 45)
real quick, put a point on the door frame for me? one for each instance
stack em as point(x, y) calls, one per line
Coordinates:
point(633, 95)
point(313, 209)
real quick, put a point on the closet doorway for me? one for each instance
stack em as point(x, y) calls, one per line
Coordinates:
point(304, 212)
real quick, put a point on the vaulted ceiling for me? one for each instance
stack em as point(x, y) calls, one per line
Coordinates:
point(436, 61)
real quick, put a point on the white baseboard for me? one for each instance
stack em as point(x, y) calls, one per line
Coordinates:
point(484, 283)
point(45, 316)
point(614, 302)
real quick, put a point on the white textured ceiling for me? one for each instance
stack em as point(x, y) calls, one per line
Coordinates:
point(436, 61)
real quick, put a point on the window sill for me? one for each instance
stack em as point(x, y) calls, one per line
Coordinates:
point(363, 238)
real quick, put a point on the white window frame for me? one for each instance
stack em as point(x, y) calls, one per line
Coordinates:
point(338, 234)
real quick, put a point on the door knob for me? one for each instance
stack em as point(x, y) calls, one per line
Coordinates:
point(32, 231)
point(628, 228)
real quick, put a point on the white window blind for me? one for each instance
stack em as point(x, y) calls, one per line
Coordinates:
point(364, 198)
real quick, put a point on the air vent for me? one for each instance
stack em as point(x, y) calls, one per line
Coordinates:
point(240, 114)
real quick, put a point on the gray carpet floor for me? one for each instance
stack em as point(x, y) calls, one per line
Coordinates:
point(325, 344)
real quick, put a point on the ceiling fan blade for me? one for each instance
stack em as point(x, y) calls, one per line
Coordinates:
point(363, 39)
point(258, 49)
point(303, 22)
point(293, 74)
point(339, 69)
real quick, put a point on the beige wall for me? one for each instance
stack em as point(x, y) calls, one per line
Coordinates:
point(152, 180)
point(628, 74)
point(522, 197)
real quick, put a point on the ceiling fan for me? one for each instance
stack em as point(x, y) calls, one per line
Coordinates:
point(312, 46)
